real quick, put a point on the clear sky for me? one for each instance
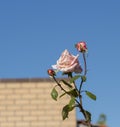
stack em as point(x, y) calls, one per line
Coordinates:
point(33, 33)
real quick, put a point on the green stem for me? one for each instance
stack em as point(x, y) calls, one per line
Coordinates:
point(80, 97)
point(85, 65)
point(85, 72)
point(80, 88)
point(70, 75)
point(81, 109)
point(59, 85)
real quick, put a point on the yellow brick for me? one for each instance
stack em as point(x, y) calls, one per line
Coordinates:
point(3, 118)
point(21, 91)
point(43, 96)
point(28, 85)
point(2, 85)
point(7, 102)
point(37, 91)
point(22, 124)
point(2, 96)
point(2, 107)
point(54, 112)
point(14, 96)
point(53, 124)
point(37, 102)
point(7, 124)
point(22, 102)
point(6, 91)
point(13, 85)
point(13, 107)
point(7, 113)
point(44, 85)
point(38, 124)
point(29, 107)
point(14, 118)
point(45, 117)
point(22, 113)
point(37, 112)
point(30, 118)
point(29, 96)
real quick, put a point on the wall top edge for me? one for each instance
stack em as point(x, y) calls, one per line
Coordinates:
point(12, 80)
point(5, 80)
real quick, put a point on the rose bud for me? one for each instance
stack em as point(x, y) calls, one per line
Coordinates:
point(51, 72)
point(81, 46)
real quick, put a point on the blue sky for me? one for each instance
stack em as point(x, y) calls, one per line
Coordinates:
point(34, 33)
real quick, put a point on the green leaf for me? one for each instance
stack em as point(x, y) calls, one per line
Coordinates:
point(83, 78)
point(88, 114)
point(67, 108)
point(65, 112)
point(102, 119)
point(70, 108)
point(73, 93)
point(72, 101)
point(90, 95)
point(74, 78)
point(54, 94)
point(66, 83)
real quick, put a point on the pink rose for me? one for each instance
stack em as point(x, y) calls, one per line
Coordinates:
point(81, 46)
point(68, 63)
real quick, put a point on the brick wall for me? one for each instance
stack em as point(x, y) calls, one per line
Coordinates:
point(27, 103)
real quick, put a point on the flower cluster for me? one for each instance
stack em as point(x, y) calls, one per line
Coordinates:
point(69, 65)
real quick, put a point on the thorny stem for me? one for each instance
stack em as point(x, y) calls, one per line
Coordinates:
point(81, 108)
point(85, 72)
point(80, 97)
point(59, 85)
point(79, 104)
point(80, 88)
point(85, 65)
point(70, 75)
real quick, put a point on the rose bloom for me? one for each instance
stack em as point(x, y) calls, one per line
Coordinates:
point(68, 63)
point(81, 46)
